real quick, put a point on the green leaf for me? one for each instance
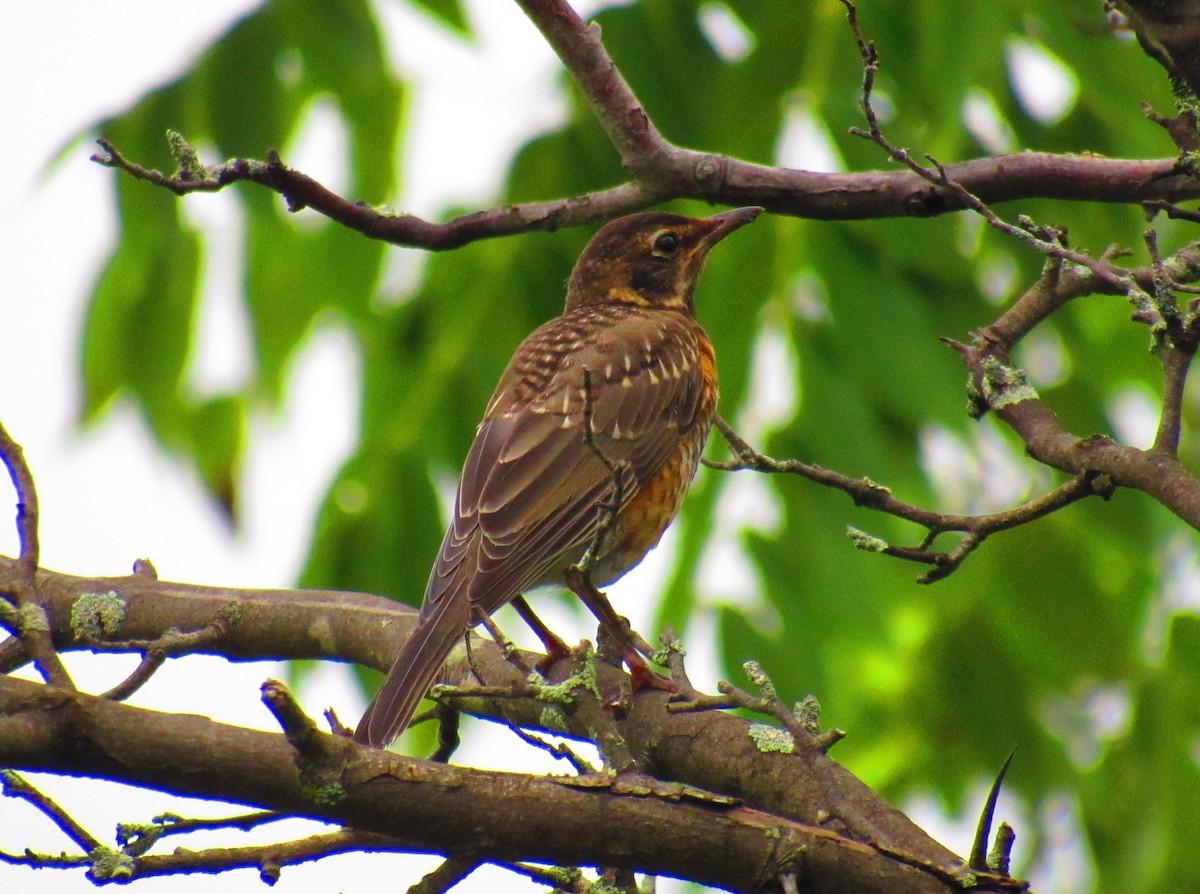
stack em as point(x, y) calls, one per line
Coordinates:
point(449, 12)
point(247, 94)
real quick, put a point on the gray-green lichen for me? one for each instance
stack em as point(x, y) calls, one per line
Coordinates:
point(662, 655)
point(97, 616)
point(232, 612)
point(329, 794)
point(876, 486)
point(185, 156)
point(864, 541)
point(600, 887)
point(807, 712)
point(110, 865)
point(553, 718)
point(1004, 385)
point(769, 739)
point(563, 876)
point(560, 693)
point(759, 678)
point(137, 838)
point(755, 672)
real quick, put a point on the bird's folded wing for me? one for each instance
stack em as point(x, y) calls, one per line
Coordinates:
point(533, 489)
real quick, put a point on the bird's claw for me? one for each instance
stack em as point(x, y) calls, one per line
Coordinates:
point(642, 677)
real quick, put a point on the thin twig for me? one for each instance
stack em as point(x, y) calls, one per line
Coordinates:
point(32, 626)
point(156, 652)
point(559, 750)
point(865, 492)
point(449, 873)
point(15, 786)
point(939, 175)
point(268, 859)
point(510, 652)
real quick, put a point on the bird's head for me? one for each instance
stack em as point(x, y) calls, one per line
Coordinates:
point(649, 260)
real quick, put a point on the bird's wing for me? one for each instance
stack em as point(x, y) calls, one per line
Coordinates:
point(532, 489)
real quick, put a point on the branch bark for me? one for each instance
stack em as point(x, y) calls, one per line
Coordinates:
point(713, 841)
point(664, 171)
point(711, 750)
point(675, 173)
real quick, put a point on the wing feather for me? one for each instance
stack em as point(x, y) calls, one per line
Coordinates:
point(531, 486)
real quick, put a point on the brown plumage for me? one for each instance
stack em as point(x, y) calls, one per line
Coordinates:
point(533, 490)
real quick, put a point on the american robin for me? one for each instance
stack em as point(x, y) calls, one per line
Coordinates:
point(597, 424)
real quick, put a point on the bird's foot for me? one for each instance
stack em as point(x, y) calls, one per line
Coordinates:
point(555, 649)
point(642, 677)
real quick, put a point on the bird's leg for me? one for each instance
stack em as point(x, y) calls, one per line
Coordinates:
point(510, 652)
point(554, 646)
point(632, 646)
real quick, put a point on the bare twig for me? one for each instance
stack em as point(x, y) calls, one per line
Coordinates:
point(940, 176)
point(319, 752)
point(15, 786)
point(865, 492)
point(268, 859)
point(664, 171)
point(999, 386)
point(559, 750)
point(510, 652)
point(451, 871)
point(169, 824)
point(155, 653)
point(867, 195)
point(31, 624)
point(1172, 211)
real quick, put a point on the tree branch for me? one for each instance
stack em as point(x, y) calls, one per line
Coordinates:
point(711, 750)
point(543, 819)
point(29, 620)
point(664, 171)
point(865, 492)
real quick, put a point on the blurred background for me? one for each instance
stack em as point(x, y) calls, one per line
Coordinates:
point(257, 399)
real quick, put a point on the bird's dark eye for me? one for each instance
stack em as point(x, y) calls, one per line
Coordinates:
point(666, 245)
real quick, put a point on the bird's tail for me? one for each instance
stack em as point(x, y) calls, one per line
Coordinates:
point(413, 671)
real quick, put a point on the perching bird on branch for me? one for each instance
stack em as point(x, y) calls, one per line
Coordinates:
point(590, 441)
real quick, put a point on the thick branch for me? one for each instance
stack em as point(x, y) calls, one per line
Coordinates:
point(552, 820)
point(613, 102)
point(712, 750)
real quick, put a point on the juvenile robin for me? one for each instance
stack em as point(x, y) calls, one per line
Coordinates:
point(597, 424)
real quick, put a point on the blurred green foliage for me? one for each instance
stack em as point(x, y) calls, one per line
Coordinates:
point(934, 684)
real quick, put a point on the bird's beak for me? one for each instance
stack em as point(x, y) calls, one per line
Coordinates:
point(728, 221)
